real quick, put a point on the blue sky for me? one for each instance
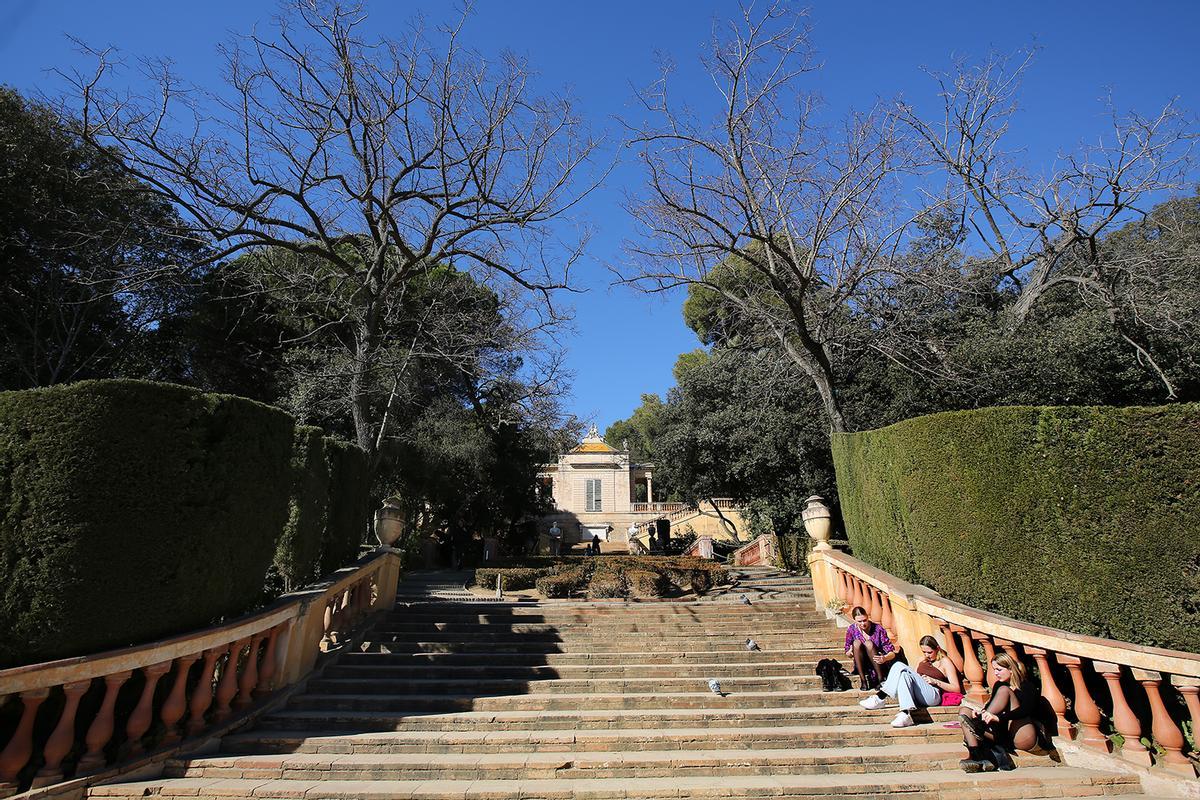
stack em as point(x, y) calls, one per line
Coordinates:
point(625, 343)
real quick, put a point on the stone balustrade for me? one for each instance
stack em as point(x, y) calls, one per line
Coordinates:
point(661, 508)
point(1107, 696)
point(701, 548)
point(84, 716)
point(758, 552)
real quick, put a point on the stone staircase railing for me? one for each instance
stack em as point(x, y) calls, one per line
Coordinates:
point(678, 513)
point(214, 676)
point(1133, 675)
point(760, 551)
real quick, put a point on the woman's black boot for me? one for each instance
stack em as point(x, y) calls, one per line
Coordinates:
point(1000, 757)
point(977, 761)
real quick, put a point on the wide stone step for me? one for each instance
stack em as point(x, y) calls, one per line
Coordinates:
point(479, 672)
point(434, 642)
point(699, 698)
point(568, 764)
point(615, 628)
point(388, 653)
point(712, 737)
point(588, 686)
point(338, 720)
point(1033, 782)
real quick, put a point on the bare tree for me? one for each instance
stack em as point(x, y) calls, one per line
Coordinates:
point(377, 160)
point(1045, 231)
point(807, 215)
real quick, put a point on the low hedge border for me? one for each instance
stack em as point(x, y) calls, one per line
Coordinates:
point(1080, 518)
point(607, 576)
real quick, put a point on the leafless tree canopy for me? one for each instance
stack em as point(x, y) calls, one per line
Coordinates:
point(1041, 231)
point(813, 211)
point(375, 158)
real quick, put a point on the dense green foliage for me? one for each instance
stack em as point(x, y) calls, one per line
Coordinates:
point(606, 576)
point(298, 554)
point(132, 511)
point(1084, 518)
point(348, 514)
point(91, 259)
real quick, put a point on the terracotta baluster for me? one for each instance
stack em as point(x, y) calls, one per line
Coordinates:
point(202, 695)
point(950, 644)
point(1008, 647)
point(972, 669)
point(1166, 733)
point(327, 637)
point(989, 654)
point(1190, 689)
point(227, 684)
point(860, 593)
point(19, 750)
point(843, 582)
point(249, 676)
point(1123, 718)
point(266, 672)
point(886, 619)
point(1086, 710)
point(176, 703)
point(873, 608)
point(143, 713)
point(101, 730)
point(63, 737)
point(1051, 692)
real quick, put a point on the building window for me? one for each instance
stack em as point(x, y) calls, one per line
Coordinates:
point(593, 495)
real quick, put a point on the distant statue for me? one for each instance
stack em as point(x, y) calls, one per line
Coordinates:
point(555, 539)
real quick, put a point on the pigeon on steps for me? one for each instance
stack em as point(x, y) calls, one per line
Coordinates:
point(752, 645)
point(745, 600)
point(714, 686)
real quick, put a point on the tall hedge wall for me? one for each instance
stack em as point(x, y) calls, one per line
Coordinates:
point(348, 506)
point(1085, 519)
point(131, 510)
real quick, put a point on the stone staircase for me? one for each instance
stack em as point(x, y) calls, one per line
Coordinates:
point(598, 700)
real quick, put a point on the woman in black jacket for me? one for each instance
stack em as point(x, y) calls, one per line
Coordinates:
point(1008, 722)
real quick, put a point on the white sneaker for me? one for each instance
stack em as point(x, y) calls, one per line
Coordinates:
point(872, 703)
point(903, 720)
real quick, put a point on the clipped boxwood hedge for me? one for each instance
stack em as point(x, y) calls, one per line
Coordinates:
point(1085, 519)
point(131, 511)
point(298, 554)
point(346, 526)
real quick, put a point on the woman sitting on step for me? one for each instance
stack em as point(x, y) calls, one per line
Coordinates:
point(921, 687)
point(870, 648)
point(1007, 723)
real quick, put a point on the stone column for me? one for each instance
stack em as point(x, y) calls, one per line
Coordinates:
point(649, 488)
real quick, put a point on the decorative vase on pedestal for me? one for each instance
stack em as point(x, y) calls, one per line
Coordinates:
point(389, 522)
point(817, 521)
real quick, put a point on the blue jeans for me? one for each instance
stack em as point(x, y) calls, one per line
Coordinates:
point(904, 684)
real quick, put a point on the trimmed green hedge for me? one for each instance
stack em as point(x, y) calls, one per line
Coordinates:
point(298, 554)
point(349, 511)
point(1085, 519)
point(132, 511)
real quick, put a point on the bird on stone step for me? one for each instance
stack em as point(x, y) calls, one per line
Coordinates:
point(714, 686)
point(745, 600)
point(752, 645)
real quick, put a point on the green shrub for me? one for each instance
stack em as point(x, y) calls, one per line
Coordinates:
point(792, 553)
point(1085, 519)
point(514, 578)
point(608, 583)
point(647, 583)
point(133, 511)
point(298, 554)
point(349, 514)
point(562, 584)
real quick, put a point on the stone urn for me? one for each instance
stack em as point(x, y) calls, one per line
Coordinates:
point(817, 521)
point(389, 522)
